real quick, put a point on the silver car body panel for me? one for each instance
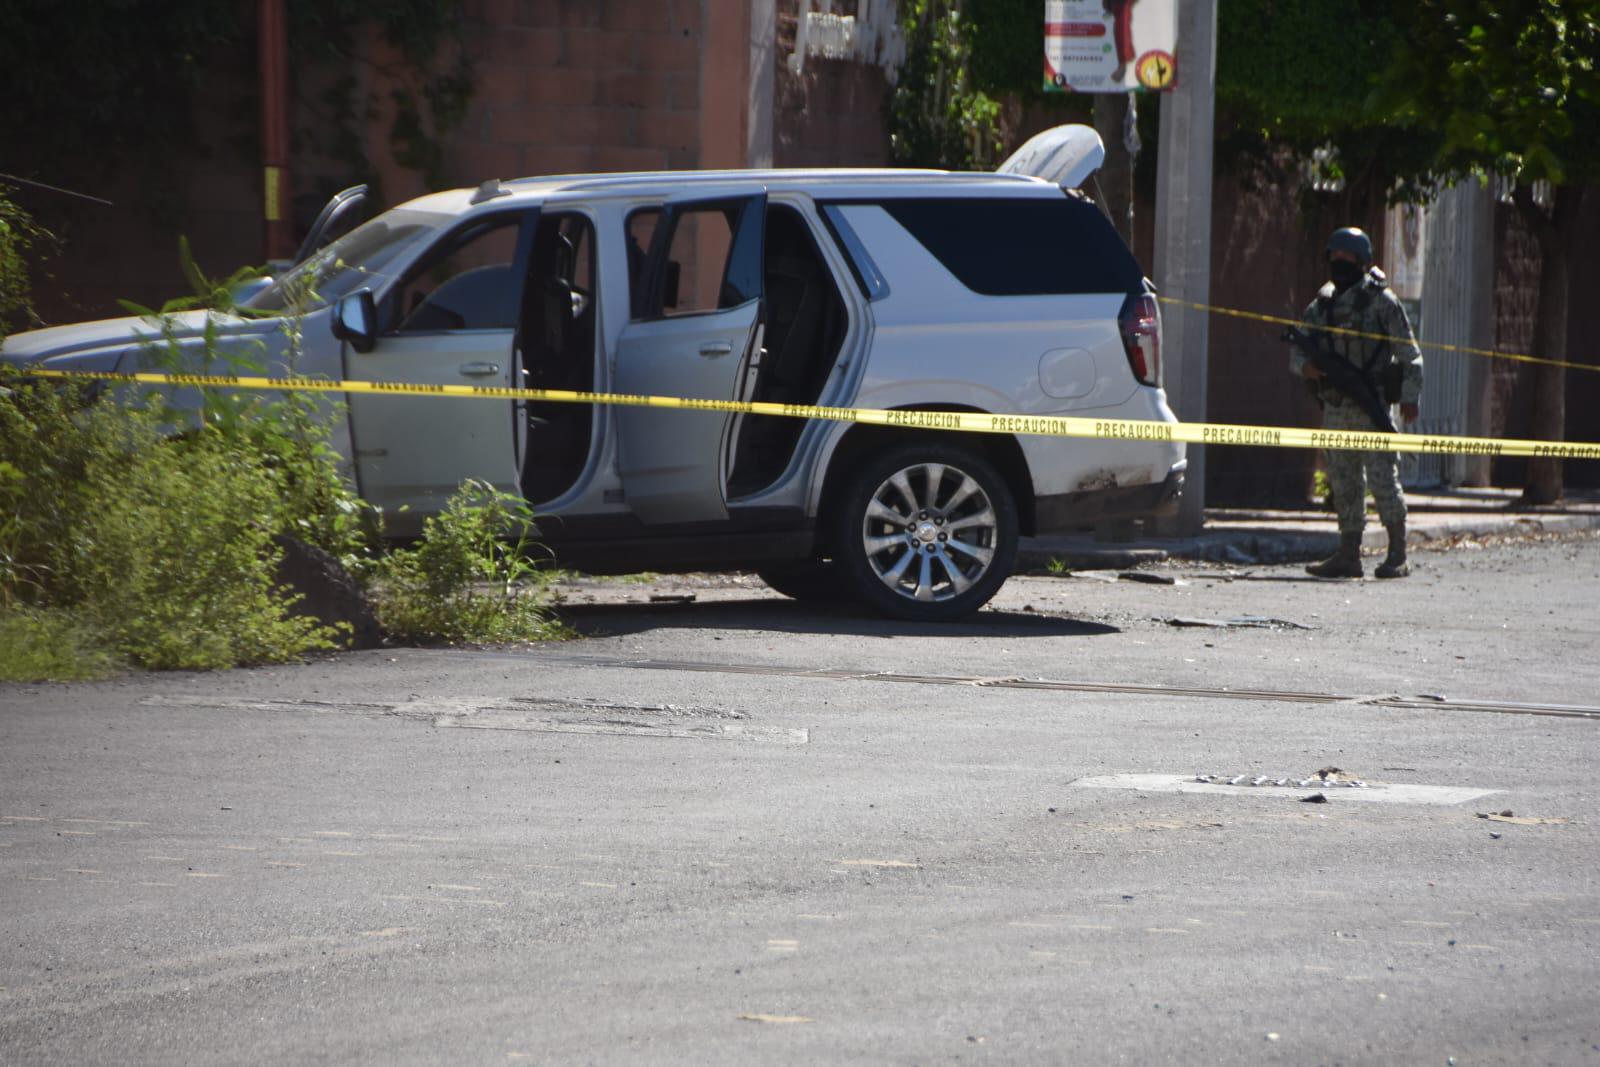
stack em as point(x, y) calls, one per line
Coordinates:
point(412, 452)
point(928, 341)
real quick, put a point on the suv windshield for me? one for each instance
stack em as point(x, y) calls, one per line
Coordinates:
point(362, 257)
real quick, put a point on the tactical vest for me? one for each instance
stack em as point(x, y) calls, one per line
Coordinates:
point(1378, 367)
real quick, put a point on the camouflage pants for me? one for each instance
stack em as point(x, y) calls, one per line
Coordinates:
point(1352, 473)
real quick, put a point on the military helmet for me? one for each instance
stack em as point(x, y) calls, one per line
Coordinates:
point(1353, 241)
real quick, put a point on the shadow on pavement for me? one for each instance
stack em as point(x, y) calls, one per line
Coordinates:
point(597, 620)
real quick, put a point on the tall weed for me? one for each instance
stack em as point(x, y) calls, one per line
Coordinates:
point(472, 577)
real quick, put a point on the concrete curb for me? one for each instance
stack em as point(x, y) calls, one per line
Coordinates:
point(1278, 544)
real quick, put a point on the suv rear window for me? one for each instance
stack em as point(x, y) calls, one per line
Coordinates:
point(1017, 247)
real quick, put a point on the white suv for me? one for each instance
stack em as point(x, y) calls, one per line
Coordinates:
point(914, 290)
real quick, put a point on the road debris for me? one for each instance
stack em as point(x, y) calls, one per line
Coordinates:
point(1148, 577)
point(1352, 789)
point(1520, 820)
point(886, 864)
point(1239, 622)
point(1327, 777)
point(1314, 798)
point(672, 598)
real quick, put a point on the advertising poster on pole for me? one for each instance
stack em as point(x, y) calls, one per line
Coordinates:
point(1110, 46)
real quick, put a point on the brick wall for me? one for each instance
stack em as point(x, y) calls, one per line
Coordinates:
point(129, 251)
point(1583, 346)
point(572, 86)
point(1516, 305)
point(1258, 264)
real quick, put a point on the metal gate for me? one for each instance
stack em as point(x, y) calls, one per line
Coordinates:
point(1455, 308)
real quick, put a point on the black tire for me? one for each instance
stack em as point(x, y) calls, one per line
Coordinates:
point(811, 581)
point(960, 532)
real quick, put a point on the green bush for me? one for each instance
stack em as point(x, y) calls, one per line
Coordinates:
point(289, 431)
point(471, 577)
point(176, 560)
point(43, 455)
point(38, 644)
point(1322, 492)
point(150, 534)
point(160, 544)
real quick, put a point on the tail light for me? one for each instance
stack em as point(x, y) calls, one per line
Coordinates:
point(1140, 323)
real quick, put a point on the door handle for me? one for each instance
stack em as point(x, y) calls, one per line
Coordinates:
point(480, 370)
point(715, 348)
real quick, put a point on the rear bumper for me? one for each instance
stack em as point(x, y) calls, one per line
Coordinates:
point(1072, 511)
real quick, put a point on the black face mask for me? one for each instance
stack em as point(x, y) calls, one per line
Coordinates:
point(1344, 273)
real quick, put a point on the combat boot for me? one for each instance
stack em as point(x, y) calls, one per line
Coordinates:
point(1344, 563)
point(1394, 564)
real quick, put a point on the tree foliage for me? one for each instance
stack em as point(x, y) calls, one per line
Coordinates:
point(1007, 44)
point(1512, 87)
point(1293, 76)
point(937, 117)
point(21, 243)
point(1295, 82)
point(971, 68)
point(116, 88)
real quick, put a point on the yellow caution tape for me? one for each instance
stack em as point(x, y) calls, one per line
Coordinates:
point(1196, 433)
point(1256, 316)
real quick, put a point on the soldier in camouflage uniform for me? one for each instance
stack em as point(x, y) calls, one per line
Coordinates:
point(1358, 298)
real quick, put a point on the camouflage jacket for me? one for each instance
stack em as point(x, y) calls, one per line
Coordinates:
point(1371, 308)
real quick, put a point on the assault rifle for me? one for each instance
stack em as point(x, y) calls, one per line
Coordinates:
point(1342, 375)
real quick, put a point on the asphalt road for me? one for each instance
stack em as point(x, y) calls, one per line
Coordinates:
point(745, 830)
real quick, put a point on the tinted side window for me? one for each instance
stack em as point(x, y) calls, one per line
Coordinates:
point(1017, 247)
point(467, 283)
point(711, 260)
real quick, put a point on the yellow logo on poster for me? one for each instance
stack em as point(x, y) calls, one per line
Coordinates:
point(1156, 70)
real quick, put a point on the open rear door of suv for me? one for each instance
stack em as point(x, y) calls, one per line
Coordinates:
point(693, 336)
point(1066, 155)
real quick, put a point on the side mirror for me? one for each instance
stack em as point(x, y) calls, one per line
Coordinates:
point(355, 319)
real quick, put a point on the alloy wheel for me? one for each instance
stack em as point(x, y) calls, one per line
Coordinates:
point(930, 532)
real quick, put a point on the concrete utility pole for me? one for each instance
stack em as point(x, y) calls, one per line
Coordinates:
point(1183, 235)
